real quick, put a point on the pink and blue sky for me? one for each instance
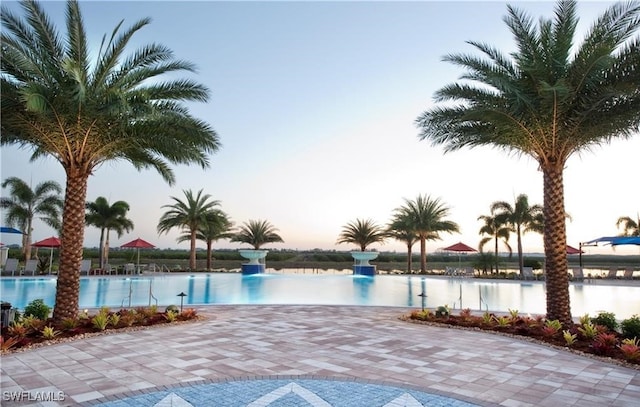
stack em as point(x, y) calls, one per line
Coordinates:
point(315, 105)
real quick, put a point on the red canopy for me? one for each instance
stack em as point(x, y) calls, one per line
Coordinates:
point(459, 247)
point(138, 244)
point(48, 242)
point(573, 250)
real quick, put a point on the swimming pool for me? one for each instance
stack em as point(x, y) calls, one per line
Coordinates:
point(380, 290)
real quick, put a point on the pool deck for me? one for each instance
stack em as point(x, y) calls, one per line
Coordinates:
point(359, 344)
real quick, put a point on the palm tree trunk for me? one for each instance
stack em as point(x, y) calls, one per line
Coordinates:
point(497, 271)
point(555, 240)
point(72, 239)
point(208, 255)
point(105, 253)
point(520, 254)
point(192, 255)
point(409, 260)
point(423, 255)
point(101, 249)
point(28, 240)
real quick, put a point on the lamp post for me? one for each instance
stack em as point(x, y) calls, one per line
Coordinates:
point(424, 299)
point(181, 295)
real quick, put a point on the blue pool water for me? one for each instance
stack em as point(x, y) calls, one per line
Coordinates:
point(381, 290)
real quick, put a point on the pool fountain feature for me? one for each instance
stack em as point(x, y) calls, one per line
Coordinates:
point(254, 266)
point(362, 266)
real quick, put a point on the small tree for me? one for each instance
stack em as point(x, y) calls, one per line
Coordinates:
point(257, 233)
point(362, 232)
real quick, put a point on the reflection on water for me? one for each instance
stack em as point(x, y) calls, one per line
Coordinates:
point(333, 289)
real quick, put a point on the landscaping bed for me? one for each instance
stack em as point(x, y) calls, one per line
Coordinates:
point(601, 336)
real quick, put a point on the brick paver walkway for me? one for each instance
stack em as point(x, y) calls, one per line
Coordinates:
point(365, 344)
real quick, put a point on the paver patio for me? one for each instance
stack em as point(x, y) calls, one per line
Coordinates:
point(360, 344)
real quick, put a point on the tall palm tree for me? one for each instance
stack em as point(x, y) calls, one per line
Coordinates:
point(496, 231)
point(25, 205)
point(400, 228)
point(216, 226)
point(188, 216)
point(521, 218)
point(108, 217)
point(630, 227)
point(85, 107)
point(426, 216)
point(257, 233)
point(549, 99)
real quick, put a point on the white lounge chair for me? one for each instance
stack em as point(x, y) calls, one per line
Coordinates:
point(527, 273)
point(30, 267)
point(613, 273)
point(129, 268)
point(10, 267)
point(578, 274)
point(85, 267)
point(628, 273)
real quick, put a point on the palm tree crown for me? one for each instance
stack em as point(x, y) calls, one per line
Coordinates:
point(629, 226)
point(496, 230)
point(189, 216)
point(26, 204)
point(108, 217)
point(216, 226)
point(400, 228)
point(58, 101)
point(257, 233)
point(362, 232)
point(521, 218)
point(550, 98)
point(426, 215)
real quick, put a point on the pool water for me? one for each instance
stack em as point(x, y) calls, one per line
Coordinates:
point(380, 290)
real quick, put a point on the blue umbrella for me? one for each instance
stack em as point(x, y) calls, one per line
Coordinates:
point(5, 229)
point(615, 240)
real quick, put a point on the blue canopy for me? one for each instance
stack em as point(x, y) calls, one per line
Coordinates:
point(615, 240)
point(5, 229)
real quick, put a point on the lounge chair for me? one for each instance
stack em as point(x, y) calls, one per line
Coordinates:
point(527, 273)
point(10, 267)
point(129, 268)
point(578, 274)
point(85, 267)
point(469, 272)
point(628, 273)
point(613, 273)
point(30, 267)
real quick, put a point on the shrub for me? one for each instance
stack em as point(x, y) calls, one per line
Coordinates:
point(100, 321)
point(604, 343)
point(588, 330)
point(630, 349)
point(569, 338)
point(442, 311)
point(631, 327)
point(38, 309)
point(607, 319)
point(49, 333)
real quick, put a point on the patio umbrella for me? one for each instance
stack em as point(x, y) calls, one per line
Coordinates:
point(50, 242)
point(573, 250)
point(459, 248)
point(5, 229)
point(138, 244)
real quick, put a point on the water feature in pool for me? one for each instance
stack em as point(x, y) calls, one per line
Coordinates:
point(381, 290)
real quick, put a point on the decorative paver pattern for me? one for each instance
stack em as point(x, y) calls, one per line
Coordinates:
point(364, 344)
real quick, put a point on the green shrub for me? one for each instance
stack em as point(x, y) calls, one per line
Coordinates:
point(38, 309)
point(606, 319)
point(631, 327)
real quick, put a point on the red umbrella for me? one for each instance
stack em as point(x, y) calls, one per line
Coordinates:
point(50, 242)
point(138, 244)
point(459, 247)
point(573, 250)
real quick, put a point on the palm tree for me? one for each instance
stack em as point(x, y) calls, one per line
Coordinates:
point(86, 107)
point(216, 226)
point(26, 204)
point(108, 217)
point(362, 232)
point(188, 216)
point(426, 216)
point(550, 98)
point(630, 227)
point(257, 233)
point(496, 231)
point(521, 218)
point(400, 229)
